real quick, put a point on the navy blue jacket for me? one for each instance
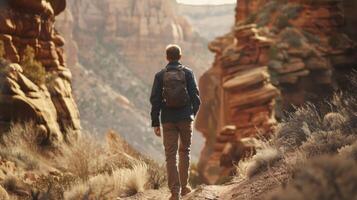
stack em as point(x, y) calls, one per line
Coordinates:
point(173, 114)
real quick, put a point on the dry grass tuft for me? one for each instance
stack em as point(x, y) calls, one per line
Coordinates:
point(326, 166)
point(135, 179)
point(327, 177)
point(334, 121)
point(349, 151)
point(297, 127)
point(157, 175)
point(107, 171)
point(20, 145)
point(346, 105)
point(25, 134)
point(326, 142)
point(21, 157)
point(86, 168)
point(122, 182)
point(83, 157)
point(78, 191)
point(261, 161)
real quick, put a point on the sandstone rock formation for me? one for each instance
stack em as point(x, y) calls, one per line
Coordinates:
point(138, 32)
point(298, 45)
point(51, 105)
point(241, 103)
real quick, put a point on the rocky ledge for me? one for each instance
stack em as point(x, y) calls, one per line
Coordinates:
point(28, 39)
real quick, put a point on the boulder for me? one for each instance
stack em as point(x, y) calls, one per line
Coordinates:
point(24, 101)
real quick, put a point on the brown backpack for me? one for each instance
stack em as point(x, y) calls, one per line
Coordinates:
point(175, 92)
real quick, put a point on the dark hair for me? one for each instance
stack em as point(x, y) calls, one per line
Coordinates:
point(173, 52)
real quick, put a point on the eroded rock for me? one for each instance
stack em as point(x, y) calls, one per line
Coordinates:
point(50, 105)
point(304, 48)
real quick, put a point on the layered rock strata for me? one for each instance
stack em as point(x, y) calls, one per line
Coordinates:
point(137, 32)
point(299, 46)
point(50, 105)
point(242, 102)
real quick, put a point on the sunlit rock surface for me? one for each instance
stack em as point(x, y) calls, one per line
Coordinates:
point(50, 105)
point(278, 55)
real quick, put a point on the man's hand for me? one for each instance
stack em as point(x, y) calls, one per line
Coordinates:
point(157, 131)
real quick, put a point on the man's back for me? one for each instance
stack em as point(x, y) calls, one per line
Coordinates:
point(169, 114)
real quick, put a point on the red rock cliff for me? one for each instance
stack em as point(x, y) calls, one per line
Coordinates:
point(298, 46)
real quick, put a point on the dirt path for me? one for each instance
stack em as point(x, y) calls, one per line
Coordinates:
point(201, 193)
point(243, 189)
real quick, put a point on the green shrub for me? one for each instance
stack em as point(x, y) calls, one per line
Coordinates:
point(33, 69)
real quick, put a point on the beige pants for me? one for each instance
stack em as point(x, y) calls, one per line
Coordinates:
point(172, 134)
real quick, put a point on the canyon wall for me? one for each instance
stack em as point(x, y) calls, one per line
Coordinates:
point(210, 21)
point(279, 55)
point(29, 41)
point(114, 49)
point(138, 32)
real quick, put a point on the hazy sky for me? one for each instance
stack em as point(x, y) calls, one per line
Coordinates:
point(206, 1)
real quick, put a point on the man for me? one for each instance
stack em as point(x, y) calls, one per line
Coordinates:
point(175, 96)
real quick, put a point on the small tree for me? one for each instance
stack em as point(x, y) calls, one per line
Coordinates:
point(33, 69)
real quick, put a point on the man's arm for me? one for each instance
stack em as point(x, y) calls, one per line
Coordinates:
point(156, 101)
point(193, 92)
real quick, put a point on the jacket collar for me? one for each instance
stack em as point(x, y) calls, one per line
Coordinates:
point(173, 64)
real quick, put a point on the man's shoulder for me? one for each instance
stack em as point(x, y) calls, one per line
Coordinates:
point(187, 69)
point(159, 73)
